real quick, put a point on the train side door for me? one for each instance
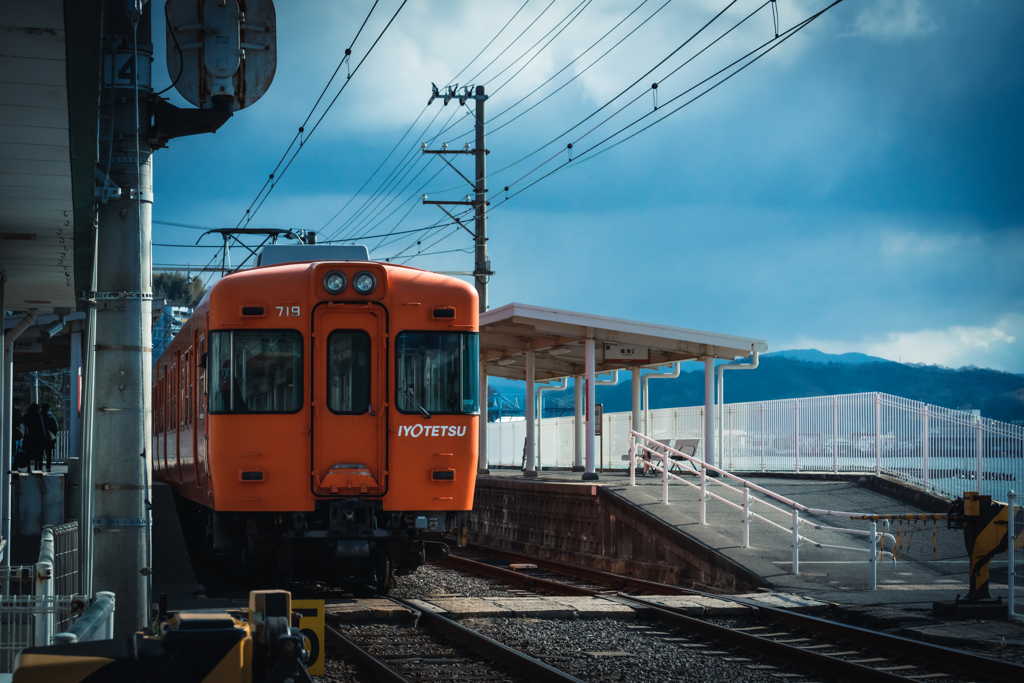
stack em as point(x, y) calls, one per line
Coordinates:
point(349, 410)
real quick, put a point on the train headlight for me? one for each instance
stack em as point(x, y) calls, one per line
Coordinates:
point(334, 282)
point(364, 282)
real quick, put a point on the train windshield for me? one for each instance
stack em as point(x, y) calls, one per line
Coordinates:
point(257, 371)
point(437, 372)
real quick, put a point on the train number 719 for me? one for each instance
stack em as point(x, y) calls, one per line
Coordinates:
point(288, 311)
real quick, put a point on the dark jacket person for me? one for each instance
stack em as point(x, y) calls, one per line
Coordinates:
point(35, 435)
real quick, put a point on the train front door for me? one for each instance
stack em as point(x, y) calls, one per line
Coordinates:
point(349, 389)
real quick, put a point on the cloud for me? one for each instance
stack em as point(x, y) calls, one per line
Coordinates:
point(891, 22)
point(997, 346)
point(914, 243)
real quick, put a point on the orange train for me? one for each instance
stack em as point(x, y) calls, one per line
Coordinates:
point(317, 416)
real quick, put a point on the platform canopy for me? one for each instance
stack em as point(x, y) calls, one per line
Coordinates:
point(50, 55)
point(557, 339)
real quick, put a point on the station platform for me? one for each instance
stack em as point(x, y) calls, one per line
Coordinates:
point(932, 562)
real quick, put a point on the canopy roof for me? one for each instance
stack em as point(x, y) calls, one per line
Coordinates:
point(558, 337)
point(49, 68)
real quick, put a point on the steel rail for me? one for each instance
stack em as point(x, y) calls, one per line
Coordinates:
point(353, 652)
point(989, 667)
point(616, 581)
point(490, 648)
point(525, 580)
point(826, 664)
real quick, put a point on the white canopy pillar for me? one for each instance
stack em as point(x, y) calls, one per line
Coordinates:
point(636, 399)
point(482, 458)
point(577, 463)
point(709, 409)
point(75, 423)
point(589, 362)
point(531, 422)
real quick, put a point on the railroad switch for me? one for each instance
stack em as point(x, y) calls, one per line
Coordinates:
point(986, 530)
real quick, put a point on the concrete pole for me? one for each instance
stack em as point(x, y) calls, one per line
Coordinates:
point(577, 387)
point(531, 423)
point(483, 266)
point(75, 421)
point(590, 474)
point(33, 389)
point(482, 460)
point(709, 410)
point(123, 330)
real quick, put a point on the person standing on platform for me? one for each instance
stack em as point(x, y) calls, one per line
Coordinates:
point(50, 440)
point(35, 436)
point(17, 429)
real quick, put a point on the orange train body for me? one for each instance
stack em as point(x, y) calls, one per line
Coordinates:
point(327, 434)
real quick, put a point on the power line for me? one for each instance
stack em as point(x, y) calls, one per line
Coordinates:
point(514, 41)
point(609, 102)
point(274, 178)
point(773, 43)
point(250, 213)
point(490, 42)
point(581, 7)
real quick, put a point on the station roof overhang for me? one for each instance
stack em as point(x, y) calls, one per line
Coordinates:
point(558, 339)
point(49, 84)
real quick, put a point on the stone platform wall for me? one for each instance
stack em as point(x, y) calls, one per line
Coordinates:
point(590, 526)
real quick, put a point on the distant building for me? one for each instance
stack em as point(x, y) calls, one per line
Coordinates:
point(167, 322)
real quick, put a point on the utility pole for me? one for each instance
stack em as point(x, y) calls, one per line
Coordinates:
point(482, 268)
point(124, 301)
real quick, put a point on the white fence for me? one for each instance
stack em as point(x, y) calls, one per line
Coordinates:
point(62, 451)
point(948, 451)
point(34, 605)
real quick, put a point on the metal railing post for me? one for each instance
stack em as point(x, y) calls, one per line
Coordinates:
point(731, 437)
point(796, 437)
point(835, 434)
point(761, 411)
point(703, 495)
point(874, 555)
point(746, 517)
point(979, 448)
point(796, 541)
point(878, 433)
point(925, 478)
point(632, 460)
point(1011, 574)
point(664, 477)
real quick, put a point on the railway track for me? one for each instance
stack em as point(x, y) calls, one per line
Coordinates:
point(435, 648)
point(821, 646)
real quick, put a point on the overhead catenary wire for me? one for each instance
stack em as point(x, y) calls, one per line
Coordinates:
point(773, 43)
point(609, 102)
point(757, 53)
point(573, 14)
point(275, 177)
point(489, 43)
point(250, 213)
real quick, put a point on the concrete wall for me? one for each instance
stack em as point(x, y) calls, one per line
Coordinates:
point(590, 526)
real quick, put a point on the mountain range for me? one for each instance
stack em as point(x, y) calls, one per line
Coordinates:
point(809, 372)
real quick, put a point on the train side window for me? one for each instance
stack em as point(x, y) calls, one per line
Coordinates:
point(256, 371)
point(348, 371)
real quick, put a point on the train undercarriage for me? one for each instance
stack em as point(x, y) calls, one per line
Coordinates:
point(349, 542)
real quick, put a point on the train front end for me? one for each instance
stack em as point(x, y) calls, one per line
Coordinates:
point(343, 418)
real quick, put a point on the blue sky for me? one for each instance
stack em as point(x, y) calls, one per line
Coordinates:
point(857, 189)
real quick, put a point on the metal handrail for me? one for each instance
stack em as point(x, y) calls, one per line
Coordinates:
point(704, 467)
